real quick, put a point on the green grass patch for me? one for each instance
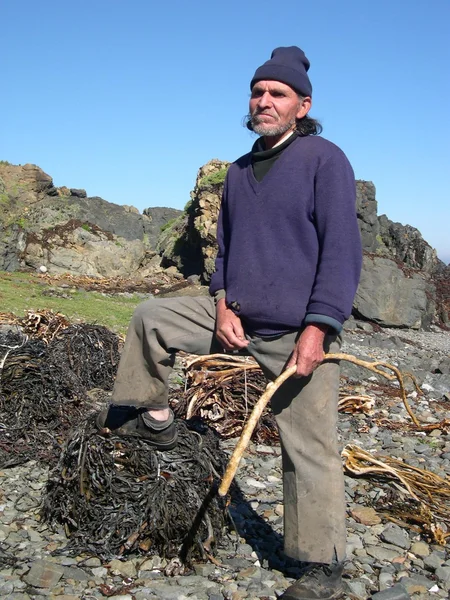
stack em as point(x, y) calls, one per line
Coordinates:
point(432, 442)
point(168, 224)
point(214, 178)
point(22, 222)
point(25, 291)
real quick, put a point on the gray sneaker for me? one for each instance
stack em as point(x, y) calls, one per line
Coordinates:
point(318, 582)
point(129, 421)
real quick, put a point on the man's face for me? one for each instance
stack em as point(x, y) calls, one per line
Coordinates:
point(274, 108)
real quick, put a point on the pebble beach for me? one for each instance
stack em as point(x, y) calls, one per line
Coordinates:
point(386, 556)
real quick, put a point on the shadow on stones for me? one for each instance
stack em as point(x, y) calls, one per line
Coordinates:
point(264, 541)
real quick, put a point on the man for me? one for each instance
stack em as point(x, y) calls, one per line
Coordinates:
point(286, 273)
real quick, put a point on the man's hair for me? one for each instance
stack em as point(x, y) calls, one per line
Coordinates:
point(305, 126)
point(308, 126)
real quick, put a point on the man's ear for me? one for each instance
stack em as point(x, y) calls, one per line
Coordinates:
point(305, 107)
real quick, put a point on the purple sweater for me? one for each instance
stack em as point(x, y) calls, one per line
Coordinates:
point(289, 246)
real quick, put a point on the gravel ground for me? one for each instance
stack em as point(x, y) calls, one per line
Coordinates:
point(383, 556)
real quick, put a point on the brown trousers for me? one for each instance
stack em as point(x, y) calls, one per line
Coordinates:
point(305, 409)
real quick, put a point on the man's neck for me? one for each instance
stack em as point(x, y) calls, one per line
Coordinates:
point(276, 140)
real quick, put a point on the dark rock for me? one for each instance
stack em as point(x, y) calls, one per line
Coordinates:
point(443, 573)
point(158, 218)
point(380, 553)
point(393, 534)
point(109, 217)
point(396, 592)
point(406, 244)
point(439, 382)
point(75, 573)
point(78, 193)
point(193, 279)
point(432, 562)
point(11, 243)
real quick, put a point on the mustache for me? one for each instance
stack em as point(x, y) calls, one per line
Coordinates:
point(257, 113)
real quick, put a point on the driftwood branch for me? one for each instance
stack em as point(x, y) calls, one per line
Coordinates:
point(377, 367)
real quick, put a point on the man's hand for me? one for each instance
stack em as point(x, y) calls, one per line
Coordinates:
point(308, 352)
point(229, 329)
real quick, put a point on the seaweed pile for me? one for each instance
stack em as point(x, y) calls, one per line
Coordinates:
point(116, 496)
point(113, 496)
point(45, 374)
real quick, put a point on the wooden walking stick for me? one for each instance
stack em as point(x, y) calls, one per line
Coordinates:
point(233, 463)
point(246, 434)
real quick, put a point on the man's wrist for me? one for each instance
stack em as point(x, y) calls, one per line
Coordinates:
point(221, 304)
point(319, 330)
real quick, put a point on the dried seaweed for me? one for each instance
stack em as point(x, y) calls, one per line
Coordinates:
point(43, 387)
point(352, 404)
point(117, 495)
point(42, 324)
point(224, 392)
point(160, 283)
point(430, 492)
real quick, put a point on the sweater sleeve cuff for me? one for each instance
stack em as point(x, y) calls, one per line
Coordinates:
point(218, 295)
point(324, 320)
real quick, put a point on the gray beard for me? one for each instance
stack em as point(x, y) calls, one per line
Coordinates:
point(264, 130)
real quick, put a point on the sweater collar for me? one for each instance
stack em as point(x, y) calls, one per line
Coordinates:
point(259, 153)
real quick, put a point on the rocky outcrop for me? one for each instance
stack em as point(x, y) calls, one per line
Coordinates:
point(366, 208)
point(190, 242)
point(205, 204)
point(399, 277)
point(65, 230)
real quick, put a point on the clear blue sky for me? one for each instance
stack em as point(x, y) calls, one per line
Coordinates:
point(127, 99)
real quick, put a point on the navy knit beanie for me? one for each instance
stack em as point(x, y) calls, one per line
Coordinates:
point(288, 65)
